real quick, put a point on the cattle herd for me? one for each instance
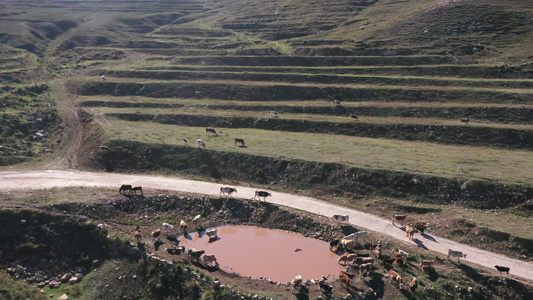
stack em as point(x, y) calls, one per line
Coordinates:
point(361, 263)
point(354, 262)
point(175, 248)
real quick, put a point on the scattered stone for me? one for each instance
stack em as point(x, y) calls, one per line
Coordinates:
point(63, 297)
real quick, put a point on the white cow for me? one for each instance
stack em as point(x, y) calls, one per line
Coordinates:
point(341, 217)
point(196, 219)
point(200, 143)
point(227, 191)
point(209, 259)
point(211, 233)
point(455, 253)
point(168, 228)
point(356, 235)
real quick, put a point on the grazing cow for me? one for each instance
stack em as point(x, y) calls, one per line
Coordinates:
point(413, 285)
point(427, 269)
point(273, 113)
point(168, 228)
point(103, 228)
point(426, 262)
point(209, 259)
point(240, 141)
point(398, 218)
point(183, 227)
point(138, 236)
point(352, 116)
point(211, 130)
point(395, 277)
point(175, 250)
point(156, 233)
point(195, 254)
point(342, 218)
point(455, 253)
point(420, 226)
point(125, 188)
point(365, 269)
point(356, 235)
point(377, 252)
point(346, 258)
point(200, 143)
point(409, 231)
point(137, 188)
point(502, 269)
point(185, 140)
point(403, 253)
point(211, 233)
point(296, 283)
point(103, 77)
point(336, 103)
point(400, 254)
point(346, 278)
point(262, 194)
point(227, 191)
point(464, 120)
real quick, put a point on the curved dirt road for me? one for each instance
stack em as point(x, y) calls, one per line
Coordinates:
point(49, 179)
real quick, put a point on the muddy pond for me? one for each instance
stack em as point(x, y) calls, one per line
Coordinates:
point(273, 254)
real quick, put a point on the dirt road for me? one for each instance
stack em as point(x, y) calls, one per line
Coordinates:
point(48, 179)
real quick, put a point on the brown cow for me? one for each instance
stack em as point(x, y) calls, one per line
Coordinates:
point(413, 285)
point(395, 277)
point(183, 227)
point(240, 141)
point(464, 120)
point(137, 188)
point(346, 258)
point(138, 236)
point(346, 278)
point(410, 231)
point(352, 116)
point(125, 188)
point(427, 269)
point(156, 233)
point(211, 130)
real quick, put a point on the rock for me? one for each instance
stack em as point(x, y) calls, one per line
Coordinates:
point(66, 277)
point(63, 297)
point(54, 284)
point(74, 280)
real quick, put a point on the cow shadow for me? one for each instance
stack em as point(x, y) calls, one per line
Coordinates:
point(469, 271)
point(429, 237)
point(173, 239)
point(214, 239)
point(141, 246)
point(420, 243)
point(187, 236)
point(377, 284)
point(158, 244)
point(303, 293)
point(242, 146)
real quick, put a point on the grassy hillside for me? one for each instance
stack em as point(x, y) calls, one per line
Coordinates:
point(75, 75)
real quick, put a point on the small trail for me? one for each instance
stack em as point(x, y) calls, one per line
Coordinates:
point(32, 180)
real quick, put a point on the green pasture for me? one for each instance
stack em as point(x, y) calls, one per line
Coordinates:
point(201, 110)
point(417, 157)
point(208, 101)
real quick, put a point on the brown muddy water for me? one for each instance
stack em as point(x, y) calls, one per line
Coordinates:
point(273, 254)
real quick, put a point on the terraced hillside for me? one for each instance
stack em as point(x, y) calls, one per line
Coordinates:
point(355, 101)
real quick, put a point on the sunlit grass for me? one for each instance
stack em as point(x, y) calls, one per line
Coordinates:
point(417, 157)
